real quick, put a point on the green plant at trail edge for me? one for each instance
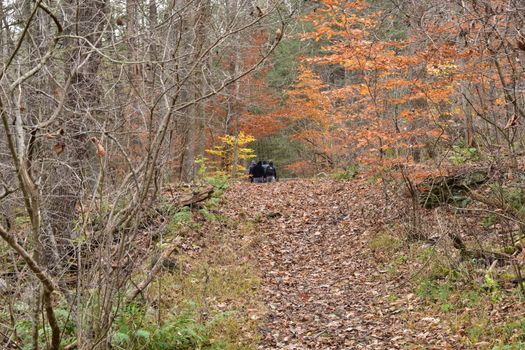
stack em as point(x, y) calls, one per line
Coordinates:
point(461, 154)
point(347, 173)
point(434, 291)
point(183, 330)
point(183, 216)
point(385, 243)
point(488, 221)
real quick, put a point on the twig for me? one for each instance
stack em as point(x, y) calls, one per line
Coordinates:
point(151, 275)
point(39, 272)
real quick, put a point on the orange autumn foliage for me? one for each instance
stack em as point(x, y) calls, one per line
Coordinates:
point(389, 104)
point(253, 101)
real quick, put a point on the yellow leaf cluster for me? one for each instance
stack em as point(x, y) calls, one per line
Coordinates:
point(224, 153)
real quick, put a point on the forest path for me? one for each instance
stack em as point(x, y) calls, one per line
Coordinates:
point(321, 283)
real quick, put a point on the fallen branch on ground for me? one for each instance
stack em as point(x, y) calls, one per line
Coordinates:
point(194, 198)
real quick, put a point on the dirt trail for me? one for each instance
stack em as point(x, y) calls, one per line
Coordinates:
point(321, 283)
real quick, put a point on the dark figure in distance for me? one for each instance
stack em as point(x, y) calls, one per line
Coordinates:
point(258, 173)
point(265, 165)
point(250, 170)
point(270, 173)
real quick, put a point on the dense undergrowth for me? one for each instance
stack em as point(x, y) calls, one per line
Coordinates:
point(459, 260)
point(205, 298)
point(478, 302)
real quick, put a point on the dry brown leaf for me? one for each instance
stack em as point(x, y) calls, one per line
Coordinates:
point(59, 147)
point(101, 151)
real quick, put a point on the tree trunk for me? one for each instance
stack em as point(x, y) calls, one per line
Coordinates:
point(73, 177)
point(236, 88)
point(194, 117)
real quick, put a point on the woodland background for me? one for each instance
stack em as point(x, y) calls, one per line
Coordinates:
point(113, 111)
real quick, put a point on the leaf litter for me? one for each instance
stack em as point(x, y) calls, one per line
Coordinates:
point(322, 285)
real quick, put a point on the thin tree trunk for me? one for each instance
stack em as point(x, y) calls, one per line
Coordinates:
point(235, 96)
point(194, 112)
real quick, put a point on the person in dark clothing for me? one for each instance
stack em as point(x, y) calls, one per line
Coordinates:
point(265, 166)
point(258, 173)
point(250, 170)
point(270, 173)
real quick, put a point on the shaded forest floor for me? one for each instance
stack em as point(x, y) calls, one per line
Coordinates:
point(323, 264)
